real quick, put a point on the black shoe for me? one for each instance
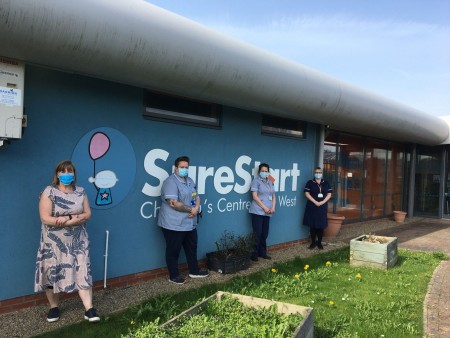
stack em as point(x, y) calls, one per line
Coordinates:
point(266, 257)
point(91, 315)
point(254, 259)
point(53, 314)
point(199, 274)
point(312, 246)
point(180, 280)
point(320, 246)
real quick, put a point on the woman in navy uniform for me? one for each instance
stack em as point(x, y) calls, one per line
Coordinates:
point(318, 192)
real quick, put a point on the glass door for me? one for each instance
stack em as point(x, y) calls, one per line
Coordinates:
point(427, 181)
point(446, 199)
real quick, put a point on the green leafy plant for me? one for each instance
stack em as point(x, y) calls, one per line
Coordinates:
point(230, 244)
point(227, 317)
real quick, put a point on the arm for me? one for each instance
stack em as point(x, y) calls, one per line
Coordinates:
point(196, 209)
point(258, 201)
point(274, 203)
point(329, 194)
point(327, 197)
point(181, 207)
point(45, 213)
point(80, 218)
point(309, 197)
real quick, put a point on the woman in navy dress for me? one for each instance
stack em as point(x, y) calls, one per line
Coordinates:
point(318, 192)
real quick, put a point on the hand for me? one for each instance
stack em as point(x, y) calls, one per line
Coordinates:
point(61, 220)
point(194, 212)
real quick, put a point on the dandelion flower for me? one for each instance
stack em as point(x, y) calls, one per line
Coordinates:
point(306, 267)
point(331, 302)
point(274, 270)
point(358, 275)
point(297, 276)
point(328, 263)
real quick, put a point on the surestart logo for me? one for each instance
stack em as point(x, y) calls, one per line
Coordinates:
point(106, 166)
point(223, 180)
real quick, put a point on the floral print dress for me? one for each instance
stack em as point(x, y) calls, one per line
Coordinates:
point(63, 256)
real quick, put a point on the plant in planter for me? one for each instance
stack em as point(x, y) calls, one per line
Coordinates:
point(233, 253)
point(233, 315)
point(373, 251)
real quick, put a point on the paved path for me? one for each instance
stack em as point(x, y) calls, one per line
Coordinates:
point(430, 235)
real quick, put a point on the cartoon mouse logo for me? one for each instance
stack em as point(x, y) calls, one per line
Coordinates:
point(104, 180)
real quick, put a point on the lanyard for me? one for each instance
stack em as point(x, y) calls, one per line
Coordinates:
point(319, 185)
point(267, 184)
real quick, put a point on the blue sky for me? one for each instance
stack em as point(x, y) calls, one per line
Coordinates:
point(397, 48)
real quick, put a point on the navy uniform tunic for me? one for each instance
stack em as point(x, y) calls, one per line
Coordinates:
point(316, 217)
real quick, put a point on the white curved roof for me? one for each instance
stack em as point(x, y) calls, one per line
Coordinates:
point(137, 43)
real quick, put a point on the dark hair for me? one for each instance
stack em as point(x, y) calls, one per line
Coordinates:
point(62, 166)
point(318, 168)
point(181, 159)
point(263, 165)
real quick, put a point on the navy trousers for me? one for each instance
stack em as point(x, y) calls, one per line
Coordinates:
point(260, 226)
point(174, 241)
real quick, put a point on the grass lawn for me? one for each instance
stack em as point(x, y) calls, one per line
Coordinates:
point(347, 301)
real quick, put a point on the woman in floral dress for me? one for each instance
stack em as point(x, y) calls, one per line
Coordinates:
point(63, 263)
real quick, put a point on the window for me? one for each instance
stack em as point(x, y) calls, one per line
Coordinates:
point(273, 125)
point(177, 109)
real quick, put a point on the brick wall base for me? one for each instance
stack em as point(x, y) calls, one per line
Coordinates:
point(18, 303)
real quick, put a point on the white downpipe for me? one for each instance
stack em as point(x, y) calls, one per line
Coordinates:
point(106, 258)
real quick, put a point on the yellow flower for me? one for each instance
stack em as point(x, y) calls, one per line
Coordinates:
point(274, 270)
point(328, 263)
point(297, 276)
point(358, 275)
point(306, 267)
point(331, 302)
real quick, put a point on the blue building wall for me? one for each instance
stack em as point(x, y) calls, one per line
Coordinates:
point(99, 125)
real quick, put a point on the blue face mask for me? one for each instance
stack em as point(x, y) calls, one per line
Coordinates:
point(183, 172)
point(66, 179)
point(264, 174)
point(318, 176)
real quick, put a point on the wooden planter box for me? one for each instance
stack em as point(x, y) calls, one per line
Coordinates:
point(231, 264)
point(373, 255)
point(304, 330)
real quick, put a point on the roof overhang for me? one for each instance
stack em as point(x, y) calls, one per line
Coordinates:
point(137, 43)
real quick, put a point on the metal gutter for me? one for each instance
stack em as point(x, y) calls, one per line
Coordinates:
point(136, 43)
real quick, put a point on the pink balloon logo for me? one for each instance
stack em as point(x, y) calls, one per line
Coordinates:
point(98, 145)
